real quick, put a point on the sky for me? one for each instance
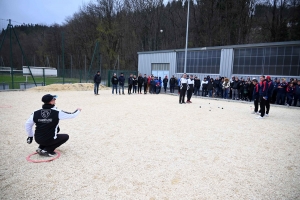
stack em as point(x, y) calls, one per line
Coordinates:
point(45, 12)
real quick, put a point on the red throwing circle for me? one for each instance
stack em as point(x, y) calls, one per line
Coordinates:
point(40, 161)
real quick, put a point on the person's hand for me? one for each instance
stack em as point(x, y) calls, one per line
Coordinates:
point(79, 109)
point(29, 140)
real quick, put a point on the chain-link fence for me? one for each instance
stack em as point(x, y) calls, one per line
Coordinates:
point(64, 76)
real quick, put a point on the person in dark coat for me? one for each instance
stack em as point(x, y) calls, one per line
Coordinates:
point(297, 93)
point(140, 81)
point(165, 83)
point(216, 85)
point(197, 83)
point(114, 82)
point(255, 96)
point(172, 84)
point(210, 87)
point(134, 84)
point(97, 81)
point(145, 83)
point(130, 83)
point(121, 83)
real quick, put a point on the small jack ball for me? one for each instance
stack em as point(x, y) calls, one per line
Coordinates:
point(208, 103)
point(199, 106)
point(209, 110)
point(222, 108)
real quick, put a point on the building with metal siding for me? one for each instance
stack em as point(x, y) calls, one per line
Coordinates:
point(278, 59)
point(157, 63)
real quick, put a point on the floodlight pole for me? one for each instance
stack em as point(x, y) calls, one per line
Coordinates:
point(11, 59)
point(186, 36)
point(63, 56)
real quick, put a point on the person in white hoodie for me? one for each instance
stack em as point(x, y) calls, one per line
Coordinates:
point(190, 83)
point(47, 129)
point(204, 87)
point(183, 88)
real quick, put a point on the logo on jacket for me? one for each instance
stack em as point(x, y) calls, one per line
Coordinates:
point(45, 113)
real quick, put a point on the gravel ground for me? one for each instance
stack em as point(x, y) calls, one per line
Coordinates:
point(150, 147)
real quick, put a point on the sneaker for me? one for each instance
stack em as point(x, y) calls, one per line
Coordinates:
point(257, 113)
point(183, 102)
point(190, 102)
point(267, 115)
point(52, 154)
point(259, 117)
point(253, 112)
point(45, 153)
point(38, 150)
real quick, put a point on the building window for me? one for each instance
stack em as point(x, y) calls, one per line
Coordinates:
point(284, 60)
point(206, 62)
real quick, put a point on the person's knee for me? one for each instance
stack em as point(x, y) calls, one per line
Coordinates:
point(65, 137)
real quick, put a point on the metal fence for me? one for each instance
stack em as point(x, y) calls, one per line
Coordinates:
point(64, 76)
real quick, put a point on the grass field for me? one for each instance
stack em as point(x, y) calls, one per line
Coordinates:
point(5, 78)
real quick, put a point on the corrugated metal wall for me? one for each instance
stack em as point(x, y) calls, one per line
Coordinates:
point(145, 61)
point(226, 62)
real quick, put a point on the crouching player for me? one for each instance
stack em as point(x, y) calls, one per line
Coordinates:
point(46, 121)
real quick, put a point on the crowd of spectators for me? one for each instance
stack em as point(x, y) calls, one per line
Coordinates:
point(283, 92)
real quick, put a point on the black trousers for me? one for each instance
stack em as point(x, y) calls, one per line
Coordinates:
point(274, 94)
point(190, 93)
point(140, 88)
point(262, 106)
point(256, 100)
point(129, 89)
point(172, 88)
point(145, 88)
point(182, 93)
point(204, 90)
point(165, 87)
point(268, 105)
point(52, 144)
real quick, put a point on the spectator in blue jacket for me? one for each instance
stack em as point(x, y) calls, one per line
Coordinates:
point(152, 85)
point(255, 96)
point(281, 92)
point(270, 90)
point(297, 93)
point(275, 89)
point(121, 83)
point(158, 83)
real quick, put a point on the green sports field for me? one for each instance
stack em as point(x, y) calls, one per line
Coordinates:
point(17, 79)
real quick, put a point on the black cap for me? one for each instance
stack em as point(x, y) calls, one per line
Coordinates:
point(48, 97)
